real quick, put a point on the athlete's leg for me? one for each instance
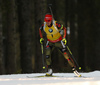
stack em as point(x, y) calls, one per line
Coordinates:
point(48, 56)
point(48, 60)
point(70, 61)
point(65, 53)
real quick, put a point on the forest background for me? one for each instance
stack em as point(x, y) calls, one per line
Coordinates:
point(20, 49)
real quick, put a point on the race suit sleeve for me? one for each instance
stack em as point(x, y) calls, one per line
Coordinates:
point(64, 32)
point(60, 26)
point(41, 31)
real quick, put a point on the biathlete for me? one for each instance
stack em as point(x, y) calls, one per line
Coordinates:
point(56, 37)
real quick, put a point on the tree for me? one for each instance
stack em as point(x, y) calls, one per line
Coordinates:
point(25, 28)
point(2, 70)
point(10, 36)
point(96, 31)
point(86, 33)
point(40, 10)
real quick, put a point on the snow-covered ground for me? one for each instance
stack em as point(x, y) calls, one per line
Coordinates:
point(90, 78)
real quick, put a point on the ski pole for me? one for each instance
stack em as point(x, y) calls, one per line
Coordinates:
point(42, 56)
point(73, 57)
point(71, 54)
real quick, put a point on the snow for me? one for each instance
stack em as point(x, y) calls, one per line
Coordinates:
point(90, 78)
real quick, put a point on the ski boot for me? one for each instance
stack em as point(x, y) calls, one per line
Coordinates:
point(49, 73)
point(76, 72)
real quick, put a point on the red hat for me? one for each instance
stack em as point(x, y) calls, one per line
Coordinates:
point(48, 18)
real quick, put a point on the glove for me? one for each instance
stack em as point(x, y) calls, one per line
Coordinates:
point(41, 40)
point(64, 41)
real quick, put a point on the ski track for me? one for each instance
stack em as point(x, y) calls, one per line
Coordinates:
point(91, 78)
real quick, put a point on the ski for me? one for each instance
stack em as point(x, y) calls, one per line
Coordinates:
point(43, 76)
point(77, 73)
point(81, 77)
point(55, 76)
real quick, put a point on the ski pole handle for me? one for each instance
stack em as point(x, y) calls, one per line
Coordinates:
point(63, 44)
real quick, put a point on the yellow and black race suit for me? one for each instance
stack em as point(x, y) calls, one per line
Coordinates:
point(54, 33)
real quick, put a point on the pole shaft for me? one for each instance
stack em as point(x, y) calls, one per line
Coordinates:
point(42, 56)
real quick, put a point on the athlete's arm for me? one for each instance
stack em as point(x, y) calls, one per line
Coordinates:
point(40, 31)
point(60, 26)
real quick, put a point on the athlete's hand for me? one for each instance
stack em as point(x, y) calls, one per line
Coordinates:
point(41, 40)
point(64, 41)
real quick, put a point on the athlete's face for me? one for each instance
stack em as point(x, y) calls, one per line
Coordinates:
point(48, 23)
